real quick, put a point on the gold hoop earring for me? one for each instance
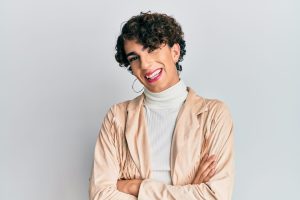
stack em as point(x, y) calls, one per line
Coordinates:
point(132, 86)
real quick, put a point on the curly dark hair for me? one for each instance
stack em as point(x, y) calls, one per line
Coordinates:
point(150, 30)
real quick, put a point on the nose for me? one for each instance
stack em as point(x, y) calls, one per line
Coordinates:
point(145, 60)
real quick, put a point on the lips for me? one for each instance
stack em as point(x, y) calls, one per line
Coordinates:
point(153, 76)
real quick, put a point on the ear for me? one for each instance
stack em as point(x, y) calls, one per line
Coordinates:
point(175, 51)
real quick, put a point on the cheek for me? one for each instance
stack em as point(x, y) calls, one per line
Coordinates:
point(136, 72)
point(168, 60)
point(167, 57)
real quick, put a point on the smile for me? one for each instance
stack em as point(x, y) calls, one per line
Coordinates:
point(153, 76)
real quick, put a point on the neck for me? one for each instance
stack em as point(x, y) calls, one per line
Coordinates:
point(171, 97)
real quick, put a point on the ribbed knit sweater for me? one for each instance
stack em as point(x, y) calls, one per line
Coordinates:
point(161, 113)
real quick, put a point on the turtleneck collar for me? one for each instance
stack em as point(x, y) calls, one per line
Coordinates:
point(169, 98)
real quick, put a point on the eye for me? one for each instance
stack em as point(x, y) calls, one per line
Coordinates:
point(153, 50)
point(133, 58)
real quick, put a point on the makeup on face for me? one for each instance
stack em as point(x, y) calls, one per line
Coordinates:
point(155, 69)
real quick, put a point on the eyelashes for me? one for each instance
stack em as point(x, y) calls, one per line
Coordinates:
point(133, 58)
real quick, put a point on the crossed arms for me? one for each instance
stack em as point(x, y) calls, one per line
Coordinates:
point(213, 180)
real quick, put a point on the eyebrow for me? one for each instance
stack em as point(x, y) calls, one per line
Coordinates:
point(130, 54)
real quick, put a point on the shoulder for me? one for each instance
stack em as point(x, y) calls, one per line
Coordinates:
point(118, 112)
point(211, 109)
point(216, 105)
point(208, 105)
point(218, 113)
point(124, 106)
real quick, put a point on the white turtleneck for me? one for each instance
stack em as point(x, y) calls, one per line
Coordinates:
point(161, 113)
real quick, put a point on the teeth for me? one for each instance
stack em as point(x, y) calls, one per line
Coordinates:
point(153, 74)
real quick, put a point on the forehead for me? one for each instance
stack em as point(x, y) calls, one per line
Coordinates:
point(132, 45)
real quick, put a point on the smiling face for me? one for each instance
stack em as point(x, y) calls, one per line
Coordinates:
point(156, 70)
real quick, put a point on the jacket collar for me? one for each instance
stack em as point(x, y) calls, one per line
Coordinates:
point(137, 137)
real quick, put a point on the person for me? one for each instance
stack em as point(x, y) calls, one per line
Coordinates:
point(168, 142)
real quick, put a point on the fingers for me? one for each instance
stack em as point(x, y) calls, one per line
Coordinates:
point(206, 163)
point(209, 172)
point(204, 157)
point(206, 169)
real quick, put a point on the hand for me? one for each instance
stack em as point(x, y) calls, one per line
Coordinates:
point(129, 186)
point(206, 170)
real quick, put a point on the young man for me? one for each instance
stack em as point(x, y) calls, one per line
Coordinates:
point(167, 143)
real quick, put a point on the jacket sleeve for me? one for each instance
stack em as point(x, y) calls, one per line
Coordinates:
point(219, 141)
point(105, 169)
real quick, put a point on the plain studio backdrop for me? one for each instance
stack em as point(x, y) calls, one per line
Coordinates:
point(58, 78)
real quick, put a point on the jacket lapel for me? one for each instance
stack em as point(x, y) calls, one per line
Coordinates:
point(136, 136)
point(185, 135)
point(186, 124)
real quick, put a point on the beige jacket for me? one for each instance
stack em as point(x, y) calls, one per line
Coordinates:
point(122, 152)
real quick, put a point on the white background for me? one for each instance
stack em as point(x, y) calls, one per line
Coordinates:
point(58, 77)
